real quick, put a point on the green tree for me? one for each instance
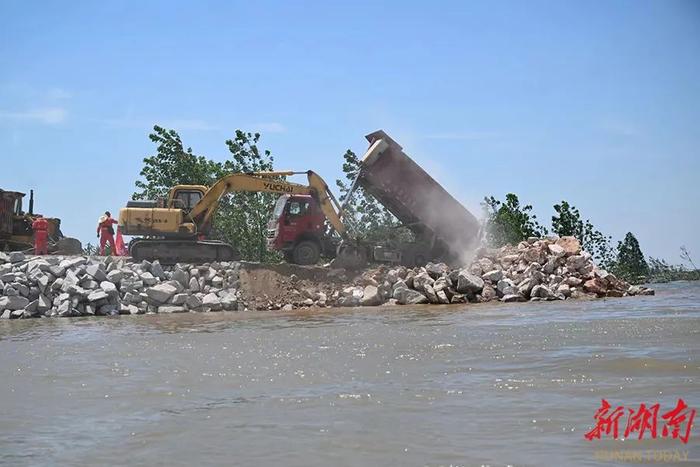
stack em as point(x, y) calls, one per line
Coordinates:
point(630, 263)
point(507, 222)
point(567, 221)
point(172, 165)
point(363, 214)
point(242, 217)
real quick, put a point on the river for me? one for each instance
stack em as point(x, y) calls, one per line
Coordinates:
point(492, 384)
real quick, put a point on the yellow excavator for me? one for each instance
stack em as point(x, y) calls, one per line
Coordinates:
point(175, 229)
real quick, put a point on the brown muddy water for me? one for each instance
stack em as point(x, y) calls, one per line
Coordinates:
point(514, 384)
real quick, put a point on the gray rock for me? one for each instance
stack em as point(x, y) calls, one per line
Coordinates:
point(96, 272)
point(179, 299)
point(148, 279)
point(157, 270)
point(16, 257)
point(161, 293)
point(564, 289)
point(505, 285)
point(171, 309)
point(513, 298)
point(32, 308)
point(370, 296)
point(541, 291)
point(493, 276)
point(469, 283)
point(97, 295)
point(556, 250)
point(57, 271)
point(194, 284)
point(409, 297)
point(576, 262)
point(64, 309)
point(181, 276)
point(131, 285)
point(14, 302)
point(421, 280)
point(230, 302)
point(436, 270)
point(193, 302)
point(6, 314)
point(488, 293)
point(213, 301)
point(10, 291)
point(115, 276)
point(108, 310)
point(43, 303)
point(109, 288)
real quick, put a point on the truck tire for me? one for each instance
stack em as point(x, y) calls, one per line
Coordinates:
point(306, 252)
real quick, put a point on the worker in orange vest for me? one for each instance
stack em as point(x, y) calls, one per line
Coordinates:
point(40, 226)
point(105, 232)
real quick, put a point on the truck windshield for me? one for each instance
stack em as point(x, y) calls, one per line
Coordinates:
point(279, 207)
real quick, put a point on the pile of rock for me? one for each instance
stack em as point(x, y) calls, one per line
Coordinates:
point(536, 269)
point(80, 286)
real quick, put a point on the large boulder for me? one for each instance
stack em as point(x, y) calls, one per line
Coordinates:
point(371, 296)
point(409, 297)
point(212, 301)
point(161, 293)
point(570, 245)
point(97, 295)
point(494, 276)
point(469, 283)
point(16, 257)
point(96, 272)
point(14, 302)
point(541, 291)
point(596, 285)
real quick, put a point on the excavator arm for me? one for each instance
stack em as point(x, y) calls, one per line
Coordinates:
point(203, 212)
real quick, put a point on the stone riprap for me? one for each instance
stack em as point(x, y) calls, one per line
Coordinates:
point(83, 286)
point(534, 270)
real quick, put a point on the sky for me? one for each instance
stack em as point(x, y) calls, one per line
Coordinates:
point(596, 103)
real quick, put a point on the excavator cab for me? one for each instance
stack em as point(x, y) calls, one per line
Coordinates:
point(185, 197)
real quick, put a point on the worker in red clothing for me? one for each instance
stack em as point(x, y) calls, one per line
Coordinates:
point(40, 226)
point(105, 232)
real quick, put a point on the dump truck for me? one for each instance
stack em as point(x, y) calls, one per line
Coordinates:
point(16, 232)
point(308, 221)
point(444, 230)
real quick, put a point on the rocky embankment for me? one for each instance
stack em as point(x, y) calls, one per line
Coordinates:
point(538, 269)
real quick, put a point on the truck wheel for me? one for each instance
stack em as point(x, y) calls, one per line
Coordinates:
point(306, 252)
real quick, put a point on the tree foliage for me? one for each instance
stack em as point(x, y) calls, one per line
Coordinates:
point(630, 263)
point(242, 217)
point(172, 165)
point(363, 214)
point(568, 221)
point(507, 222)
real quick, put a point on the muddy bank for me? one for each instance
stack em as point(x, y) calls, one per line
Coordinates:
point(538, 269)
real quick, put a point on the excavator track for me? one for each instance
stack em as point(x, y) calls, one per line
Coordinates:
point(182, 251)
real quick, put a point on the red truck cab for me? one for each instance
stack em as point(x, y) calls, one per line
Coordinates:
point(297, 228)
